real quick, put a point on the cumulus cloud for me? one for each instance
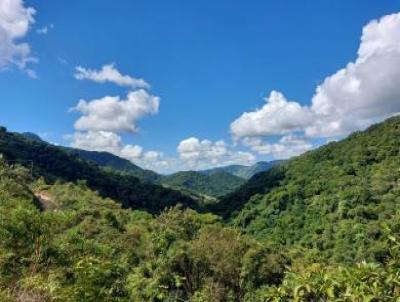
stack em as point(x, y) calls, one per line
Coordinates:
point(286, 147)
point(110, 113)
point(364, 92)
point(107, 141)
point(15, 22)
point(199, 154)
point(131, 152)
point(278, 116)
point(102, 120)
point(153, 155)
point(97, 141)
point(108, 73)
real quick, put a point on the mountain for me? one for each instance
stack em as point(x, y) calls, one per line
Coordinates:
point(62, 241)
point(231, 204)
point(111, 161)
point(32, 136)
point(105, 160)
point(215, 185)
point(335, 201)
point(196, 184)
point(55, 163)
point(81, 247)
point(245, 172)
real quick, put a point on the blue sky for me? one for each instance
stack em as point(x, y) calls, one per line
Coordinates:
point(208, 62)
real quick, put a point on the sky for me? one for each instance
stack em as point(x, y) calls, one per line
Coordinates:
point(186, 85)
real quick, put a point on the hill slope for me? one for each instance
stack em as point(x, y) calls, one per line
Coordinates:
point(215, 185)
point(245, 172)
point(54, 163)
point(108, 160)
point(334, 200)
point(87, 248)
point(193, 183)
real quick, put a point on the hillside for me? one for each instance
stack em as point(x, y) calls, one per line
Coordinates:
point(193, 183)
point(334, 201)
point(245, 172)
point(108, 160)
point(87, 248)
point(54, 163)
point(215, 185)
point(105, 160)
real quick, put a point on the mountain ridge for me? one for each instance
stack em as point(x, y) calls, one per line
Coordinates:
point(242, 171)
point(334, 200)
point(54, 163)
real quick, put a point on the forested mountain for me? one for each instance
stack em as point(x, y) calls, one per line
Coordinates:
point(54, 163)
point(216, 184)
point(32, 136)
point(111, 161)
point(86, 248)
point(245, 172)
point(196, 184)
point(63, 242)
point(192, 182)
point(333, 202)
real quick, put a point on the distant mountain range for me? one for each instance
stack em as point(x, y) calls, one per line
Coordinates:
point(214, 185)
point(245, 172)
point(59, 163)
point(111, 161)
point(208, 184)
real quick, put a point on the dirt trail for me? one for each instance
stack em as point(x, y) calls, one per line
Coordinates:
point(46, 200)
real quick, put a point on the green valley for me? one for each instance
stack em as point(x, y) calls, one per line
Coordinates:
point(320, 227)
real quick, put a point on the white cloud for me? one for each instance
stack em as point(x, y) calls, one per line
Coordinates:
point(153, 155)
point(97, 141)
point(278, 116)
point(110, 113)
point(111, 142)
point(15, 22)
point(131, 152)
point(109, 73)
point(288, 146)
point(193, 153)
point(365, 91)
point(197, 154)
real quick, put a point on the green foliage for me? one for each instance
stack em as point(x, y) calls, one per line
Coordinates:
point(231, 204)
point(360, 282)
point(54, 163)
point(86, 248)
point(329, 203)
point(321, 227)
point(116, 164)
point(244, 172)
point(210, 184)
point(217, 184)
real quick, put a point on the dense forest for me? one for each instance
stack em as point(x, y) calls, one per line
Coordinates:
point(323, 226)
point(54, 163)
point(115, 163)
point(331, 202)
point(202, 185)
point(245, 172)
point(215, 185)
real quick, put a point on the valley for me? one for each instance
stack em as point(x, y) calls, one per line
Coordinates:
point(89, 226)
